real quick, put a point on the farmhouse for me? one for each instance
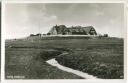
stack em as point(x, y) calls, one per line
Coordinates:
point(74, 30)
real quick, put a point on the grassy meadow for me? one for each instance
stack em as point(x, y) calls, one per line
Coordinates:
point(101, 57)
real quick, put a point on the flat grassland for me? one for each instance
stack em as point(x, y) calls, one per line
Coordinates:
point(101, 57)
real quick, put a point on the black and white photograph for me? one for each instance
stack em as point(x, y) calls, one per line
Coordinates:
point(64, 41)
point(0, 40)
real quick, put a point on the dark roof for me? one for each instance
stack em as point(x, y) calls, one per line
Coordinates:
point(60, 28)
point(63, 29)
point(88, 28)
point(75, 29)
point(80, 29)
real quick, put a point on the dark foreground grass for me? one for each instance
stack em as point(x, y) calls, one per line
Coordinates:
point(103, 61)
point(100, 57)
point(30, 64)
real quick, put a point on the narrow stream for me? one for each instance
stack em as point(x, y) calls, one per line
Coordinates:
point(53, 62)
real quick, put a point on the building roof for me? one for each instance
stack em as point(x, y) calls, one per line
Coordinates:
point(80, 29)
point(88, 28)
point(75, 29)
point(60, 28)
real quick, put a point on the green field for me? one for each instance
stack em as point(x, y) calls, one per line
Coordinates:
point(99, 57)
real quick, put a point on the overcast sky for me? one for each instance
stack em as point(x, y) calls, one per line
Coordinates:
point(22, 19)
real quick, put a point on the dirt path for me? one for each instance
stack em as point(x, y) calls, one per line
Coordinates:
point(53, 62)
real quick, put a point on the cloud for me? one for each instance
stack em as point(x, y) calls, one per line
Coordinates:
point(22, 19)
point(49, 18)
point(99, 13)
point(112, 21)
